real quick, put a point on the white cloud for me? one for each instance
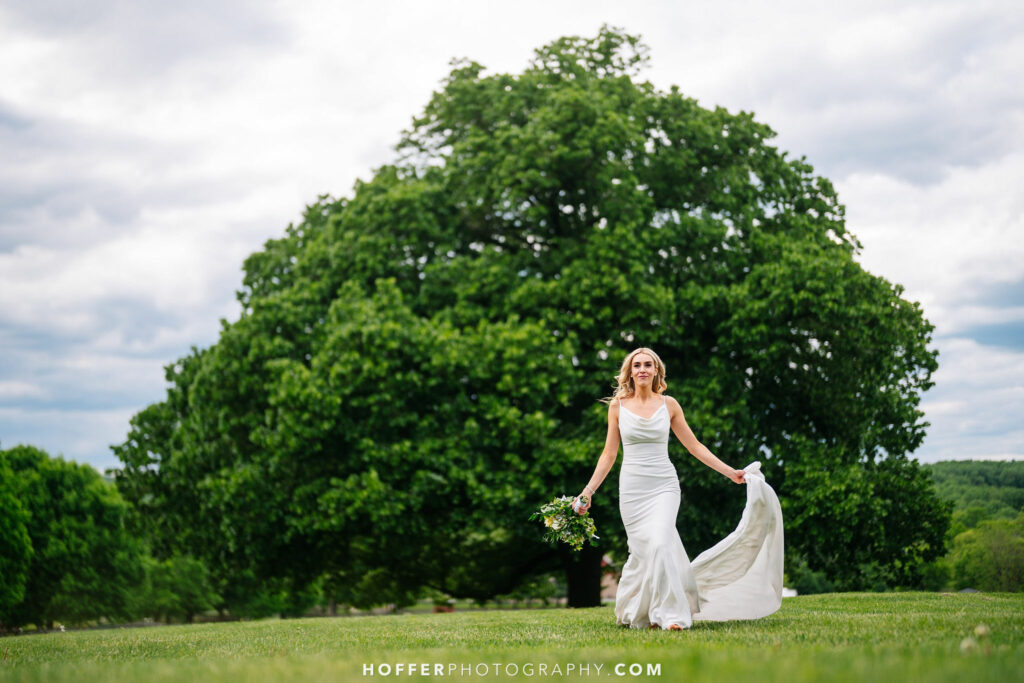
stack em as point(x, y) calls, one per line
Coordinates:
point(947, 241)
point(80, 375)
point(14, 389)
point(909, 88)
point(67, 292)
point(81, 435)
point(975, 406)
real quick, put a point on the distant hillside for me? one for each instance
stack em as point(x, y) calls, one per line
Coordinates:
point(995, 487)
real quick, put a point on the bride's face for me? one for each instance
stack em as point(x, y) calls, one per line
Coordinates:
point(642, 369)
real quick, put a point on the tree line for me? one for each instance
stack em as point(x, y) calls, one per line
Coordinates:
point(72, 552)
point(986, 533)
point(68, 553)
point(984, 543)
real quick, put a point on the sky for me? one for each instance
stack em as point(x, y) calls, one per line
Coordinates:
point(146, 148)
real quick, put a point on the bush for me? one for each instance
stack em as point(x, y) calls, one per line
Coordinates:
point(805, 580)
point(176, 588)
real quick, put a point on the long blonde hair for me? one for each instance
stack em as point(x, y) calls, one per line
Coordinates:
point(624, 380)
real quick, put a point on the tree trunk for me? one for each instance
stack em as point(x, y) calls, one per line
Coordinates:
point(583, 574)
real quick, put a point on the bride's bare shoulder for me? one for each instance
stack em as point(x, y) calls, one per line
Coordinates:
point(673, 405)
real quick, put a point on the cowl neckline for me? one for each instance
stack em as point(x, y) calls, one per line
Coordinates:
point(664, 404)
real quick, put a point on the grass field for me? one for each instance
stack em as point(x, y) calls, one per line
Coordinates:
point(836, 637)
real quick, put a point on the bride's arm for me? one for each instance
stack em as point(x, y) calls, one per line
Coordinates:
point(608, 456)
point(695, 447)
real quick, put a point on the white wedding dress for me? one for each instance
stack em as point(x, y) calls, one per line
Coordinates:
point(738, 578)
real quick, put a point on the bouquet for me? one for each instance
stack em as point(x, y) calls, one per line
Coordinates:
point(563, 524)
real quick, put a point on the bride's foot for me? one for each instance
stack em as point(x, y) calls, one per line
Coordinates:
point(675, 627)
point(653, 626)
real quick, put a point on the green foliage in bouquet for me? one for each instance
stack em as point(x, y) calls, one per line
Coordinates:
point(563, 524)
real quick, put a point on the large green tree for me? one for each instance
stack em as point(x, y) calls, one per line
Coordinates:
point(417, 367)
point(84, 562)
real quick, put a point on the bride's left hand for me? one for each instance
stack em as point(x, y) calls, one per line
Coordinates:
point(738, 476)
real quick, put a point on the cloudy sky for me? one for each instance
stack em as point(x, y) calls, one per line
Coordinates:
point(147, 147)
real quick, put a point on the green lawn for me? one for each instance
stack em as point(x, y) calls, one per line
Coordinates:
point(836, 637)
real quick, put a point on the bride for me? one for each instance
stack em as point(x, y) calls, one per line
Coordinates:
point(740, 577)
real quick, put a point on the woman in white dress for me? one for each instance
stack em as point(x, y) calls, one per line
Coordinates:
point(739, 578)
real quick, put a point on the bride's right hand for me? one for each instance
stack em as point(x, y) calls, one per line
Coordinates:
point(581, 508)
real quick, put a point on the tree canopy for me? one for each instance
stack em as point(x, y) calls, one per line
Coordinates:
point(994, 486)
point(418, 366)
